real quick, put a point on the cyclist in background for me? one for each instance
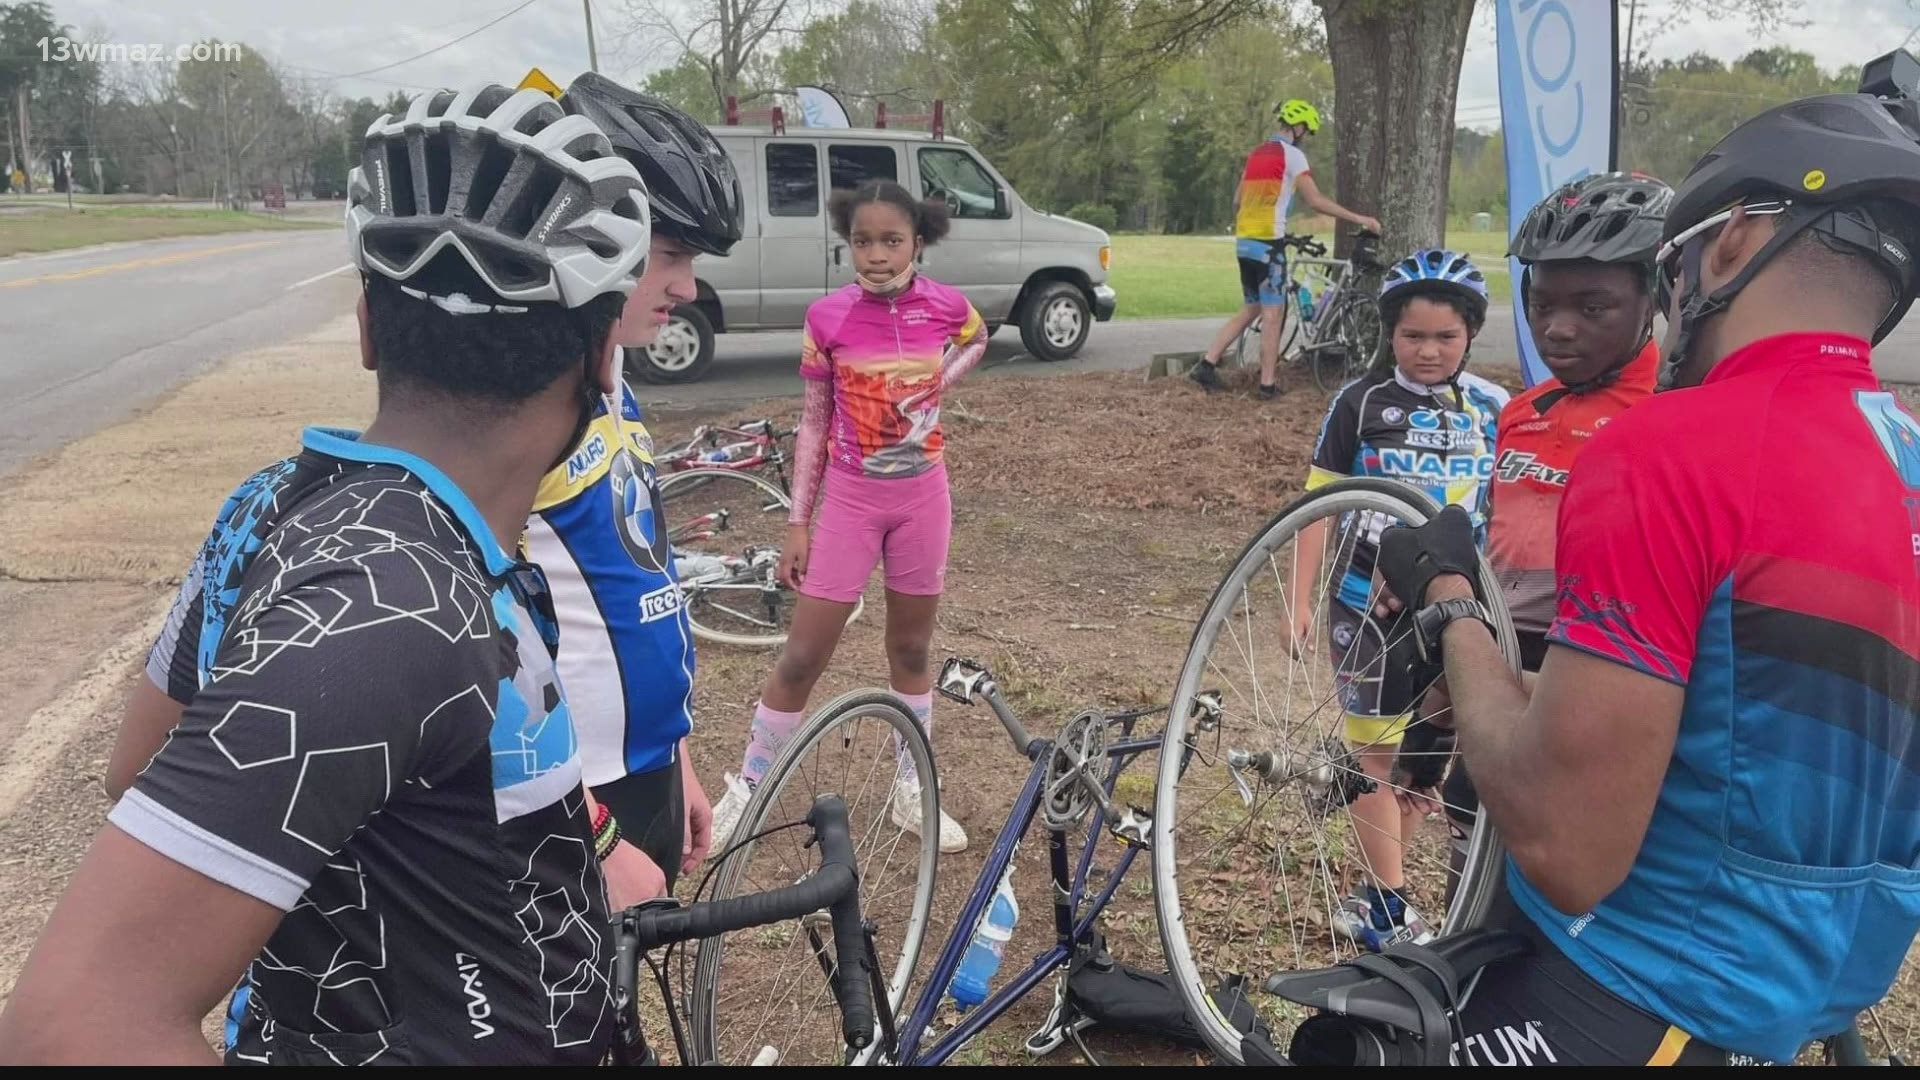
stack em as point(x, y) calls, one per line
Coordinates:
point(1275, 170)
point(1419, 417)
point(372, 802)
point(1707, 795)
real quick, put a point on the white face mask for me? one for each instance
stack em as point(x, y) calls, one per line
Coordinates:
point(888, 287)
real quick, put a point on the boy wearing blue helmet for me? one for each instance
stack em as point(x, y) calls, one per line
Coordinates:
point(1418, 417)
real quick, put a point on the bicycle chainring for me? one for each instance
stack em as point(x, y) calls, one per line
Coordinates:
point(1079, 754)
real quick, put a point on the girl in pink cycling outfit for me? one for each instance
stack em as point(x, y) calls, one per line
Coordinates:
point(876, 356)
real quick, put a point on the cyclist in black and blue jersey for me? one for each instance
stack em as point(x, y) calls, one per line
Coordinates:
point(1419, 417)
point(372, 802)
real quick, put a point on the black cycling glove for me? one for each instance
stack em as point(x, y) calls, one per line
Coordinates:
point(1411, 558)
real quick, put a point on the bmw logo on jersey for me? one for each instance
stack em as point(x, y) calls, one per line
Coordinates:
point(636, 509)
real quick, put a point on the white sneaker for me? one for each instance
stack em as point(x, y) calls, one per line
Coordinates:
point(726, 812)
point(905, 811)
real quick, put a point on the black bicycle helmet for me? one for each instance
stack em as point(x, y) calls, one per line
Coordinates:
point(1611, 217)
point(1614, 218)
point(1821, 159)
point(691, 180)
point(536, 201)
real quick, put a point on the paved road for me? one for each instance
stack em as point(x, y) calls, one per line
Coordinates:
point(88, 336)
point(754, 366)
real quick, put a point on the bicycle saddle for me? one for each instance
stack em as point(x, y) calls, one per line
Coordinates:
point(1407, 989)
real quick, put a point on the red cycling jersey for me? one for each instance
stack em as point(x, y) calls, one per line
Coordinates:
point(1541, 432)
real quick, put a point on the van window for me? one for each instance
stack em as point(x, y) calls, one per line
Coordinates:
point(793, 180)
point(973, 192)
point(851, 166)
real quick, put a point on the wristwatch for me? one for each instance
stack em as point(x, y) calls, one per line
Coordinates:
point(1431, 621)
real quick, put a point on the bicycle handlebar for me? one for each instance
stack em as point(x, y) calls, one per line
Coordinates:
point(835, 886)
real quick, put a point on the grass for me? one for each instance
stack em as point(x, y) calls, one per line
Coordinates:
point(1163, 277)
point(56, 229)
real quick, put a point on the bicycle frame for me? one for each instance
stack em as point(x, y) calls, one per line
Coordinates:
point(1070, 890)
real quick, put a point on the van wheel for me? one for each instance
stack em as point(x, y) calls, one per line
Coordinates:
point(1055, 322)
point(681, 354)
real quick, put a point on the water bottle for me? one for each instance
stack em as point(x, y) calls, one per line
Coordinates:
point(983, 954)
point(1306, 304)
point(714, 455)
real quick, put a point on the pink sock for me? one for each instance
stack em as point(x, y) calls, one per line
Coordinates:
point(922, 706)
point(770, 733)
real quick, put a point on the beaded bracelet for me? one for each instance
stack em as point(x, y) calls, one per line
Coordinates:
point(604, 843)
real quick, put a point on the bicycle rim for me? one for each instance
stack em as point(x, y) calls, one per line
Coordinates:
point(1357, 327)
point(736, 606)
point(759, 988)
point(1298, 839)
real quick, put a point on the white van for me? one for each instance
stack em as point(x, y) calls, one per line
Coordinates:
point(1045, 274)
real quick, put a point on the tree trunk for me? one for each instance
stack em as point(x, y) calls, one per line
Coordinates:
point(1396, 74)
point(26, 140)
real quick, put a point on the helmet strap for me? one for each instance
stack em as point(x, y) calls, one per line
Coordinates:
point(1695, 309)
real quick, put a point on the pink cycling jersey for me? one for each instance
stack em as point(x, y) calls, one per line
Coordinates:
point(884, 356)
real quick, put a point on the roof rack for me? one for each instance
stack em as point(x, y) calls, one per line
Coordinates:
point(935, 120)
point(776, 117)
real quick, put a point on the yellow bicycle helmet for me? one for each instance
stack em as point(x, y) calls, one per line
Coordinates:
point(1297, 111)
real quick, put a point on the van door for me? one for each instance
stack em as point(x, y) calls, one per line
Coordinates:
point(735, 277)
point(793, 239)
point(850, 165)
point(982, 254)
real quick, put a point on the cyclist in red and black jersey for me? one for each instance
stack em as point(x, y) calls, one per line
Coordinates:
point(1588, 292)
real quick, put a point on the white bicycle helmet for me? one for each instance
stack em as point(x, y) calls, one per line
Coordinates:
point(536, 201)
point(1437, 271)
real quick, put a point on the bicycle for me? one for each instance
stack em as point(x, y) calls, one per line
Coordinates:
point(1279, 748)
point(833, 889)
point(727, 525)
point(750, 446)
point(1338, 329)
point(856, 745)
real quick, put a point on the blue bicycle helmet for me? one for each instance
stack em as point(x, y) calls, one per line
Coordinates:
point(1437, 271)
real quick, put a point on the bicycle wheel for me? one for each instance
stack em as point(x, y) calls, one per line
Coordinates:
point(765, 987)
point(1356, 327)
point(1272, 808)
point(1246, 348)
point(726, 527)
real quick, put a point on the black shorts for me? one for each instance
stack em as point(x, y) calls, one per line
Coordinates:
point(1542, 1010)
point(1261, 282)
point(651, 810)
point(1462, 802)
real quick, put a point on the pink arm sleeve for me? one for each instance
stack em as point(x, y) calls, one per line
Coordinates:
point(810, 449)
point(961, 359)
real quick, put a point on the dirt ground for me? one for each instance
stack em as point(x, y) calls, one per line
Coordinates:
point(1093, 516)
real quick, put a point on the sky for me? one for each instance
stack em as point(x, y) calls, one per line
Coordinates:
point(348, 37)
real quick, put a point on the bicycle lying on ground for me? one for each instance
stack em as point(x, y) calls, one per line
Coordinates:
point(750, 446)
point(727, 523)
point(1327, 322)
point(750, 987)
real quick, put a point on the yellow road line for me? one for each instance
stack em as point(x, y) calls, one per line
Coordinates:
point(133, 264)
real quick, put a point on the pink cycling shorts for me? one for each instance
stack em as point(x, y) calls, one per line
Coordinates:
point(864, 520)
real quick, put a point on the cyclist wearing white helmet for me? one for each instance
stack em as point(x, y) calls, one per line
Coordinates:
point(1275, 170)
point(1416, 416)
point(372, 802)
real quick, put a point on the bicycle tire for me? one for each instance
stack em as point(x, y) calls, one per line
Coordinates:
point(716, 487)
point(1480, 876)
point(1357, 327)
point(735, 876)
